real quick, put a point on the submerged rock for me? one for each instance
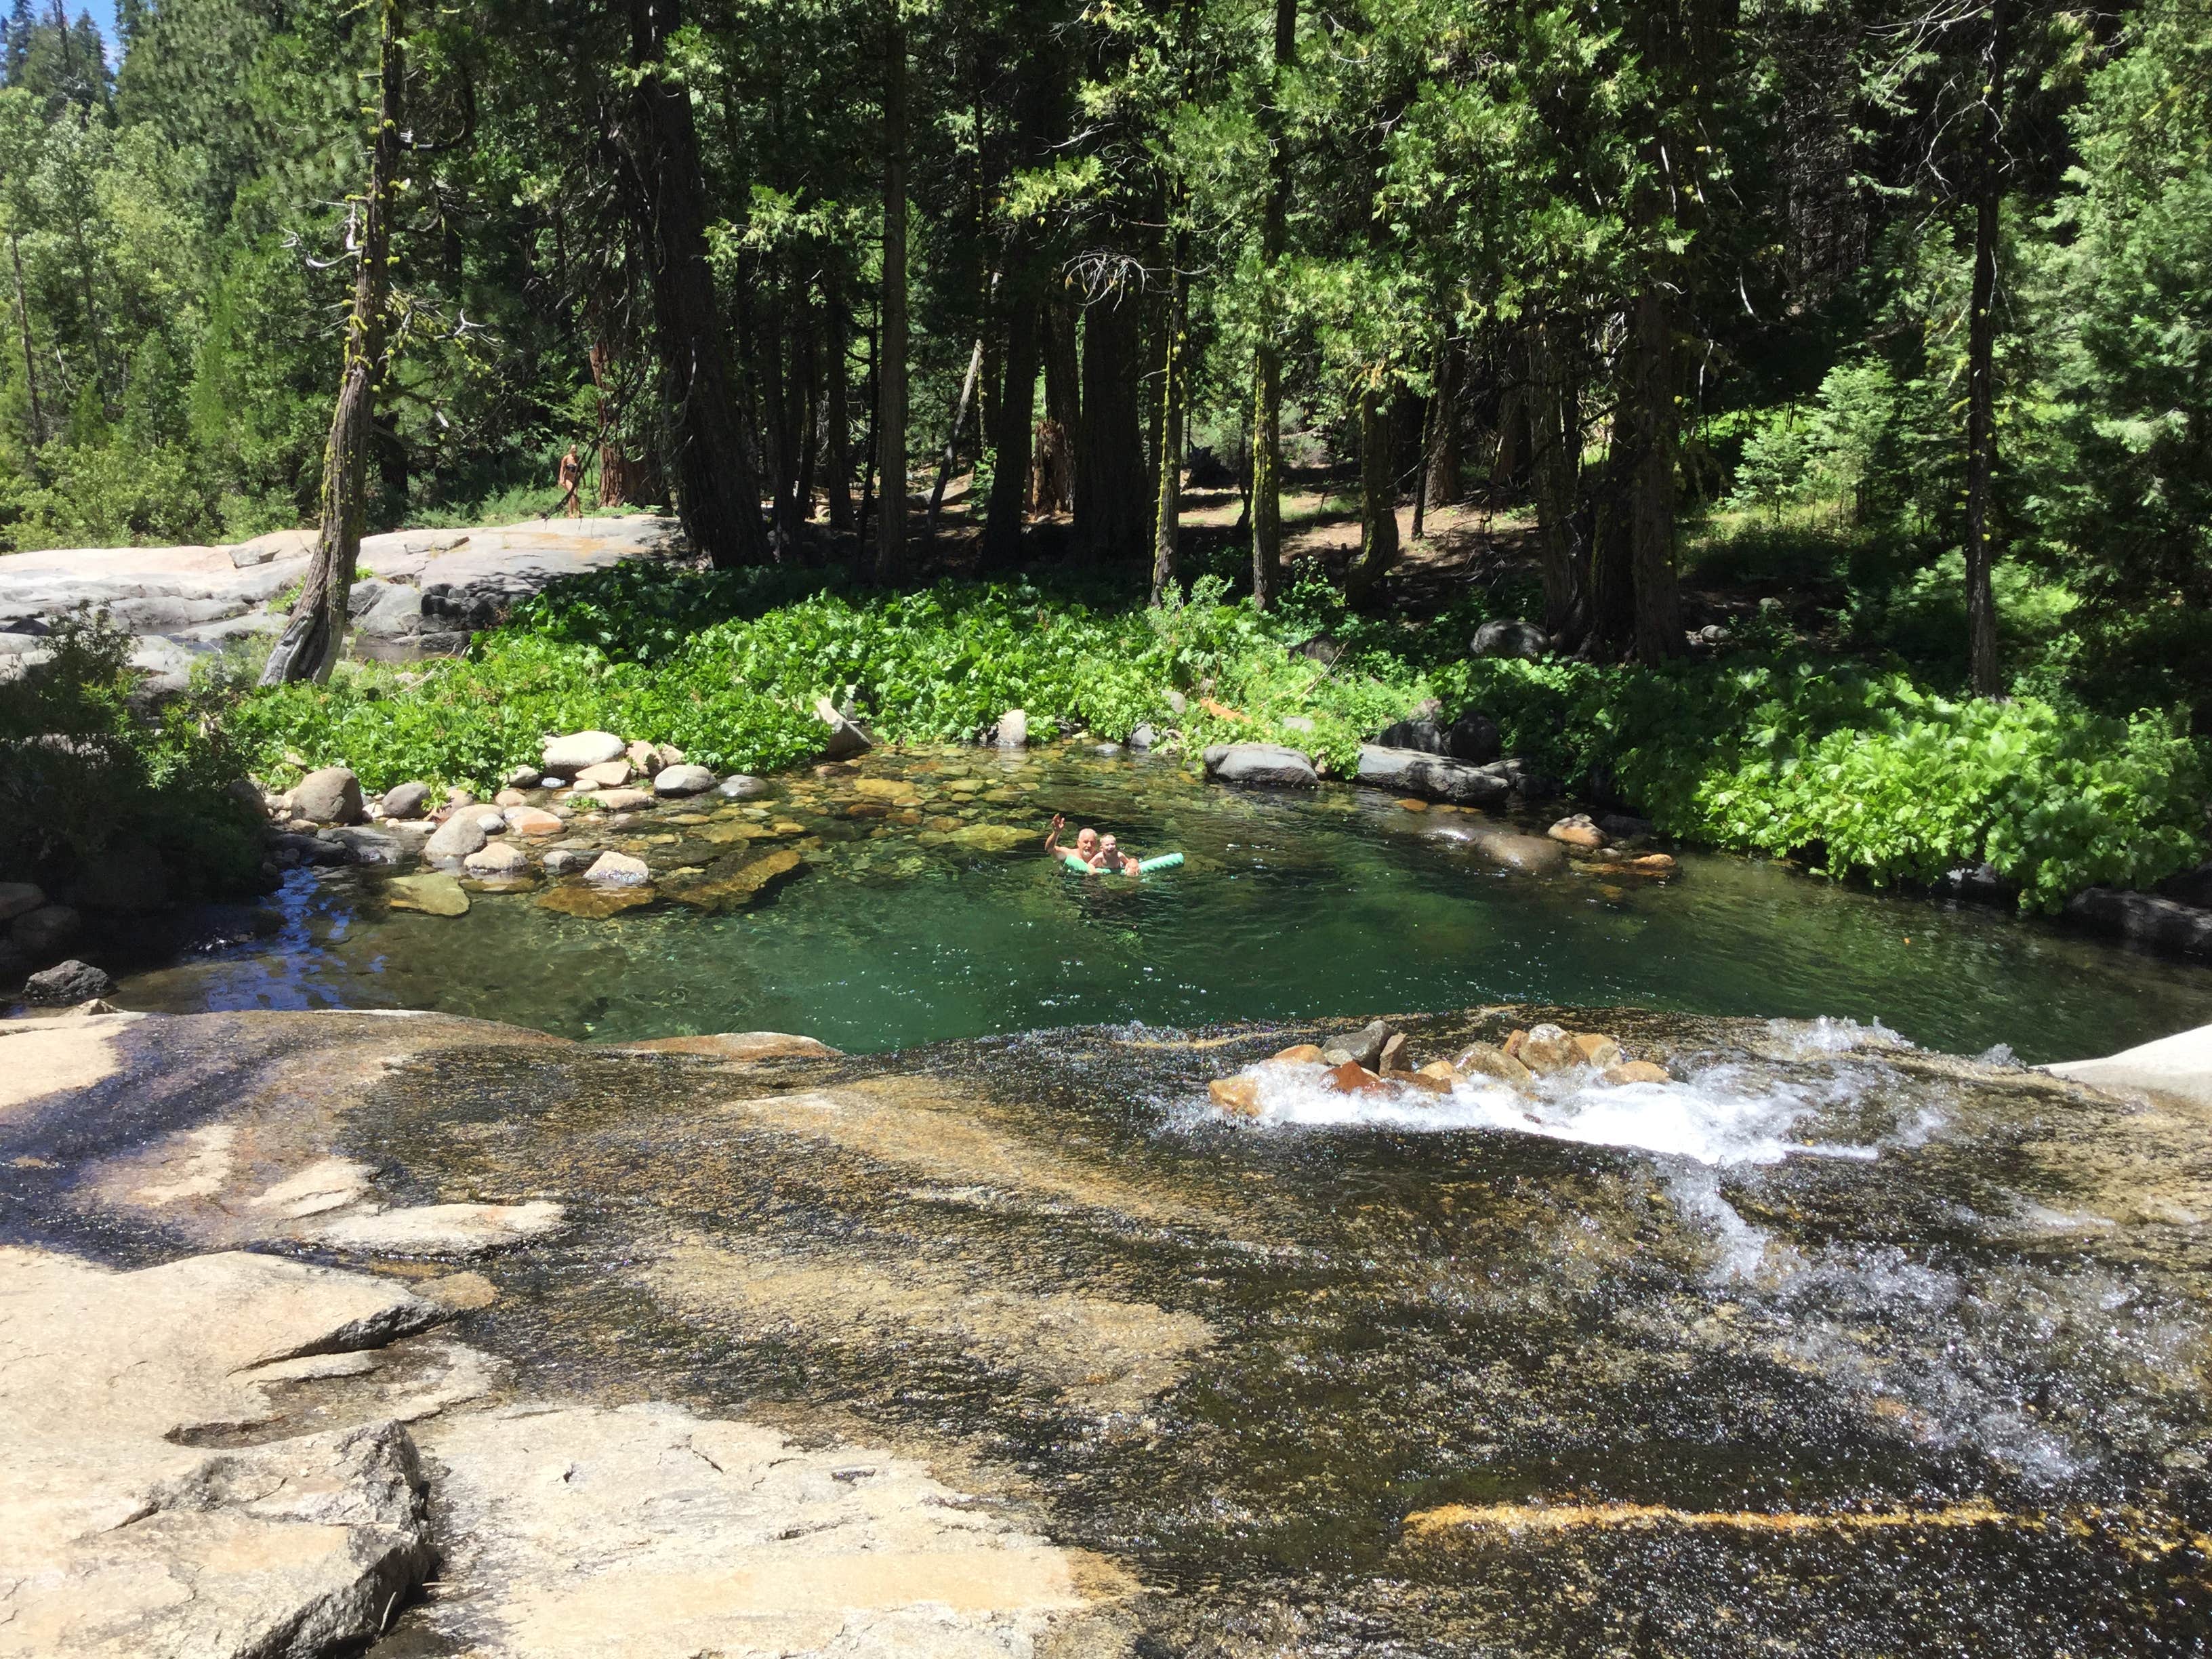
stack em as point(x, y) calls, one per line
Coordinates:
point(595, 904)
point(433, 892)
point(725, 888)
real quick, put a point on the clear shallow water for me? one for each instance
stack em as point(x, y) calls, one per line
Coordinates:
point(1287, 908)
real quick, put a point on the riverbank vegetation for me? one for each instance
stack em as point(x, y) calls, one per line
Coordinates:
point(1842, 373)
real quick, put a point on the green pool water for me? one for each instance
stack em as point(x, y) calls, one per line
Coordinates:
point(1286, 906)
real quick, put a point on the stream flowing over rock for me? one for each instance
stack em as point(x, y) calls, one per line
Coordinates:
point(726, 1343)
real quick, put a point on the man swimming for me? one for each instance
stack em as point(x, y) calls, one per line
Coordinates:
point(1086, 843)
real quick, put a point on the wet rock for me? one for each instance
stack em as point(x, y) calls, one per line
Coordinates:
point(1429, 777)
point(721, 889)
point(570, 755)
point(2142, 920)
point(1298, 1053)
point(1238, 1096)
point(845, 738)
point(533, 821)
point(1597, 1050)
point(502, 861)
point(1621, 826)
point(678, 780)
point(406, 800)
point(619, 870)
point(747, 1045)
point(1546, 1050)
point(567, 861)
point(1510, 639)
point(1423, 1082)
point(1472, 738)
point(1395, 1054)
point(455, 839)
point(39, 933)
point(1439, 1068)
point(65, 985)
point(433, 892)
point(1577, 831)
point(327, 1184)
point(995, 837)
point(1363, 1046)
point(1534, 855)
point(607, 775)
point(622, 800)
point(460, 1229)
point(17, 897)
point(1655, 865)
point(595, 903)
point(1143, 737)
point(1636, 1071)
point(743, 785)
point(1352, 1078)
point(1013, 730)
point(329, 795)
point(1263, 765)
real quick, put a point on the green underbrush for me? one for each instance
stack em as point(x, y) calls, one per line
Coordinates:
point(1858, 770)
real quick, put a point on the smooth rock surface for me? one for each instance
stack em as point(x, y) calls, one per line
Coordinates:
point(39, 933)
point(682, 780)
point(2145, 920)
point(456, 838)
point(743, 785)
point(619, 870)
point(501, 859)
point(433, 892)
point(330, 794)
point(1429, 777)
point(845, 738)
point(406, 800)
point(569, 755)
point(1265, 765)
point(2180, 1065)
point(442, 1229)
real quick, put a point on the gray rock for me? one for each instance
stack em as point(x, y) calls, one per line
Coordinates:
point(130, 879)
point(1364, 1045)
point(1301, 724)
point(39, 933)
point(1177, 703)
point(2145, 920)
point(1533, 855)
point(1978, 884)
point(570, 755)
point(2191, 887)
point(247, 794)
point(1430, 777)
point(1144, 737)
point(17, 897)
point(329, 795)
point(66, 984)
point(1510, 639)
point(1472, 738)
point(845, 738)
point(619, 870)
point(500, 860)
point(1013, 730)
point(743, 785)
point(292, 849)
point(406, 800)
point(683, 780)
point(563, 860)
point(1624, 827)
point(458, 837)
point(1265, 765)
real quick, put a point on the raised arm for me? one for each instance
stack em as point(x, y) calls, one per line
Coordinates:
point(1052, 836)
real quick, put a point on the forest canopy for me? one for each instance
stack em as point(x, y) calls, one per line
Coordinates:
point(1906, 304)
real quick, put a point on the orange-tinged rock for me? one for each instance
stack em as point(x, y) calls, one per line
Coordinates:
point(1299, 1054)
point(1485, 1059)
point(1578, 831)
point(1394, 1059)
point(1649, 863)
point(1353, 1079)
point(1512, 1043)
point(1546, 1050)
point(533, 821)
point(1443, 1068)
point(1239, 1096)
point(1637, 1071)
point(1597, 1050)
point(509, 797)
point(1409, 805)
point(1423, 1082)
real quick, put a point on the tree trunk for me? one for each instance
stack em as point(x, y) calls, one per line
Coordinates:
point(1612, 559)
point(1981, 377)
point(946, 461)
point(314, 632)
point(1266, 506)
point(1010, 444)
point(30, 361)
point(1555, 444)
point(810, 441)
point(892, 348)
point(617, 485)
point(1109, 450)
point(1167, 500)
point(863, 559)
point(1441, 458)
point(1658, 629)
point(1063, 387)
point(717, 476)
point(837, 410)
point(1378, 499)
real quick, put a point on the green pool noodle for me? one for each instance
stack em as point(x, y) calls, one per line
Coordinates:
point(1165, 861)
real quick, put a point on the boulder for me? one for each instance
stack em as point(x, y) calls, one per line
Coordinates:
point(1597, 1050)
point(1298, 1053)
point(1548, 1049)
point(1144, 737)
point(432, 892)
point(1472, 738)
point(501, 861)
point(2143, 919)
point(524, 777)
point(622, 800)
point(1352, 1078)
point(619, 870)
point(66, 984)
point(570, 755)
point(1430, 777)
point(1264, 765)
point(2189, 887)
point(18, 897)
point(1488, 1059)
point(845, 738)
point(456, 838)
point(644, 758)
point(1577, 831)
point(743, 785)
point(1013, 730)
point(683, 780)
point(567, 861)
point(607, 775)
point(248, 794)
point(533, 821)
point(406, 800)
point(1364, 1046)
point(1238, 1096)
point(1394, 1054)
point(39, 933)
point(330, 794)
point(1636, 1071)
point(508, 798)
point(1533, 855)
point(1510, 639)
